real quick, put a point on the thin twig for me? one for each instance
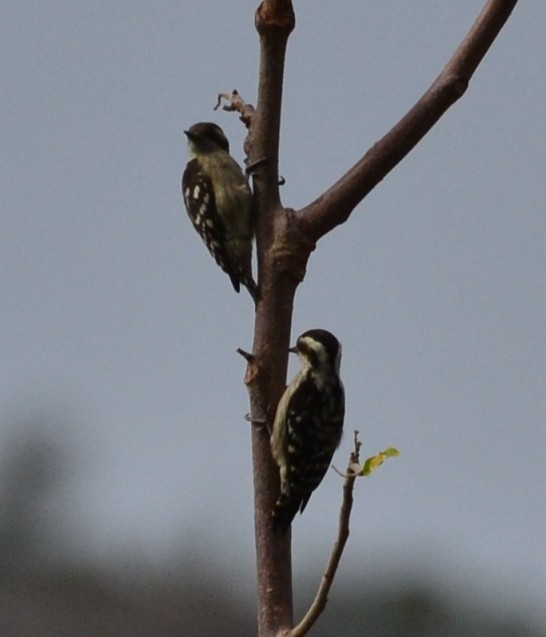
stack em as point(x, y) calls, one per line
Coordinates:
point(249, 358)
point(321, 598)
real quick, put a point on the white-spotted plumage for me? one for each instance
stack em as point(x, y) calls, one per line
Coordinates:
point(308, 424)
point(220, 203)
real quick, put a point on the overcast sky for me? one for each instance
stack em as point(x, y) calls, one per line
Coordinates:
point(118, 331)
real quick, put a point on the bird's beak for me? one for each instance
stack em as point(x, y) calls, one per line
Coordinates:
point(293, 350)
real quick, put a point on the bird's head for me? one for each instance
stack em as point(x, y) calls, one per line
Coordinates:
point(206, 137)
point(319, 349)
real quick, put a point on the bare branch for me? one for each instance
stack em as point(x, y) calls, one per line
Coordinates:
point(335, 205)
point(321, 598)
point(275, 20)
point(267, 374)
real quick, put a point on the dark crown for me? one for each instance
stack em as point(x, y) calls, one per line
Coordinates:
point(207, 136)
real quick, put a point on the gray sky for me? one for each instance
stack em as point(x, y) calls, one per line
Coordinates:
point(118, 332)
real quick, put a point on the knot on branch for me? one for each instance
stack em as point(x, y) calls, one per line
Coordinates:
point(460, 84)
point(292, 247)
point(275, 16)
point(286, 263)
point(452, 86)
point(252, 369)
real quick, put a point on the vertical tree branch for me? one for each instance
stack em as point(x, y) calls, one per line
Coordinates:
point(266, 375)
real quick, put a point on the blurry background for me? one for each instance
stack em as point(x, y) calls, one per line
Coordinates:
point(125, 490)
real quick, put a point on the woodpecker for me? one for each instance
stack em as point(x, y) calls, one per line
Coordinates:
point(308, 424)
point(220, 203)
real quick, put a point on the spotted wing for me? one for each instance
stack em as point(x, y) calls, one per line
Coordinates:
point(200, 202)
point(314, 424)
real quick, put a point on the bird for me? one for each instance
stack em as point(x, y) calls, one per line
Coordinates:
point(308, 424)
point(220, 203)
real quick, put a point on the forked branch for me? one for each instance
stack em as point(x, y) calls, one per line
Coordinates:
point(284, 237)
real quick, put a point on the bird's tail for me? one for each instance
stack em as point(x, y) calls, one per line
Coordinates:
point(240, 271)
point(251, 286)
point(284, 512)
